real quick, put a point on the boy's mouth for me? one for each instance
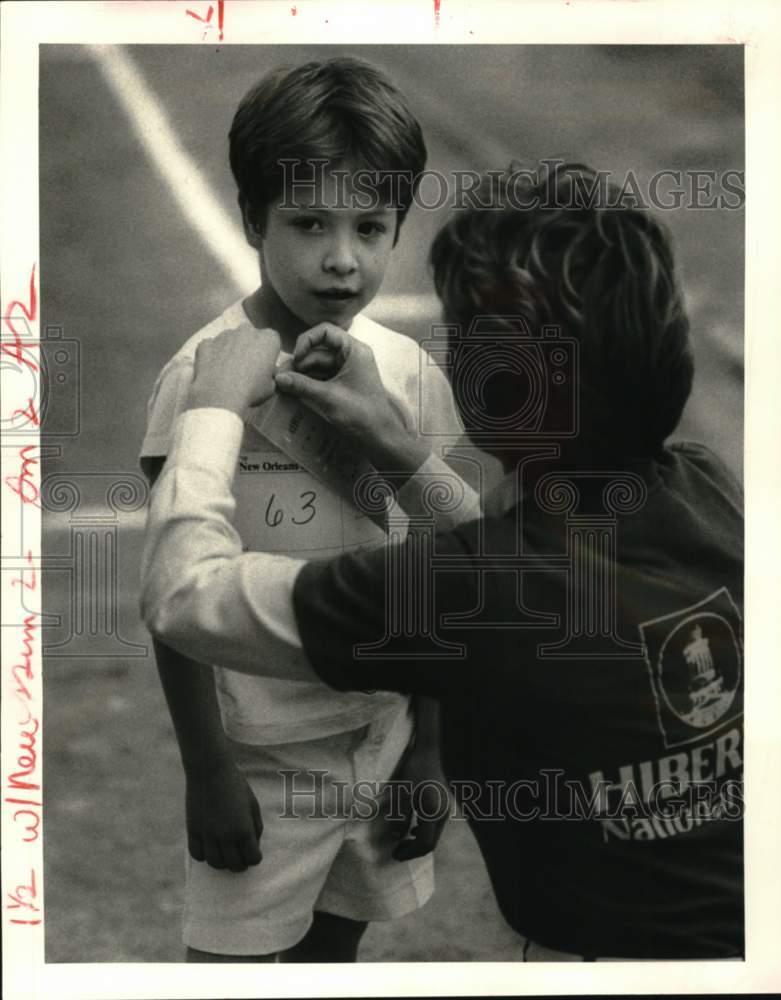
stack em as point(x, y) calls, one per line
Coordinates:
point(337, 295)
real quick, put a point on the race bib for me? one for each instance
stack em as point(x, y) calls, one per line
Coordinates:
point(282, 507)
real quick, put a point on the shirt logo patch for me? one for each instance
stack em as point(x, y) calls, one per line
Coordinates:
point(695, 662)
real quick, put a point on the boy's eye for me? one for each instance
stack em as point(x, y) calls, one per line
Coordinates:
point(372, 228)
point(308, 224)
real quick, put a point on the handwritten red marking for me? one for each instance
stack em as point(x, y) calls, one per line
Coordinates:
point(32, 826)
point(204, 20)
point(294, 11)
point(26, 777)
point(17, 349)
point(23, 778)
point(437, 6)
point(24, 897)
point(209, 14)
point(24, 485)
point(26, 762)
point(26, 665)
point(28, 411)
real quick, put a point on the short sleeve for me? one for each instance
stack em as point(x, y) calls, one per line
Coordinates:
point(443, 424)
point(168, 400)
point(353, 634)
point(437, 403)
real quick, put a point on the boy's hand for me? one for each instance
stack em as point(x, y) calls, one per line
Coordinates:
point(223, 819)
point(235, 370)
point(424, 802)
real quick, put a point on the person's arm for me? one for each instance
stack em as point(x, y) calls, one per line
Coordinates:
point(353, 399)
point(200, 593)
point(223, 816)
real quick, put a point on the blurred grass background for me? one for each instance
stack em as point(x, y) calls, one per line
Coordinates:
point(122, 272)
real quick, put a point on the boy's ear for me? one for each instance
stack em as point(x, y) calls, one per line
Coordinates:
point(252, 231)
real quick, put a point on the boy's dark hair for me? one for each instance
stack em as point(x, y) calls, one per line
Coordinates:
point(598, 268)
point(340, 110)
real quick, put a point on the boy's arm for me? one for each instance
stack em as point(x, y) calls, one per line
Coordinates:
point(223, 816)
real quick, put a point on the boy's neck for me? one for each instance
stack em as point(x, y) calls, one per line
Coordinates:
point(264, 308)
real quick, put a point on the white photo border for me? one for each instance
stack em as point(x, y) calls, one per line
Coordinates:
point(753, 24)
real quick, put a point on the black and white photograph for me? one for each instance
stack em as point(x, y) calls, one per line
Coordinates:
point(375, 466)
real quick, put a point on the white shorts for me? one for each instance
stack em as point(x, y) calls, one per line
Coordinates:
point(333, 861)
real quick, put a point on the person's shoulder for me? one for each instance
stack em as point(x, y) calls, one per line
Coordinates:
point(171, 386)
point(704, 483)
point(185, 355)
point(698, 458)
point(413, 373)
point(388, 345)
point(399, 360)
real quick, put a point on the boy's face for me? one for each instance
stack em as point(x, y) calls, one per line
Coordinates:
point(324, 261)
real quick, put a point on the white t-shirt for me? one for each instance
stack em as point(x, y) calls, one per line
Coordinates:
point(280, 507)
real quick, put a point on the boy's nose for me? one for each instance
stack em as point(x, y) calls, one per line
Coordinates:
point(340, 257)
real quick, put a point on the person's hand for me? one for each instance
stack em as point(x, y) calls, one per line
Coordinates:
point(337, 376)
point(224, 824)
point(424, 803)
point(235, 370)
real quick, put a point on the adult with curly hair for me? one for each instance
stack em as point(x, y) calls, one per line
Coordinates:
point(593, 733)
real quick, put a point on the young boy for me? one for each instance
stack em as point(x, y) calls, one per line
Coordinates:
point(596, 729)
point(323, 247)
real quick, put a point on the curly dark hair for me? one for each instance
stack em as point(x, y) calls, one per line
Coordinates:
point(558, 251)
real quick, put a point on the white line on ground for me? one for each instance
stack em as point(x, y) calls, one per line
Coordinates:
point(219, 233)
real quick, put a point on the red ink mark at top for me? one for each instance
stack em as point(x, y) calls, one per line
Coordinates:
point(24, 485)
point(437, 7)
point(24, 897)
point(294, 11)
point(17, 349)
point(207, 20)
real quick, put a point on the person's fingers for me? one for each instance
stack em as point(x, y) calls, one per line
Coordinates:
point(400, 815)
point(324, 335)
point(213, 853)
point(249, 850)
point(310, 390)
point(319, 363)
point(195, 847)
point(400, 823)
point(232, 858)
point(421, 841)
